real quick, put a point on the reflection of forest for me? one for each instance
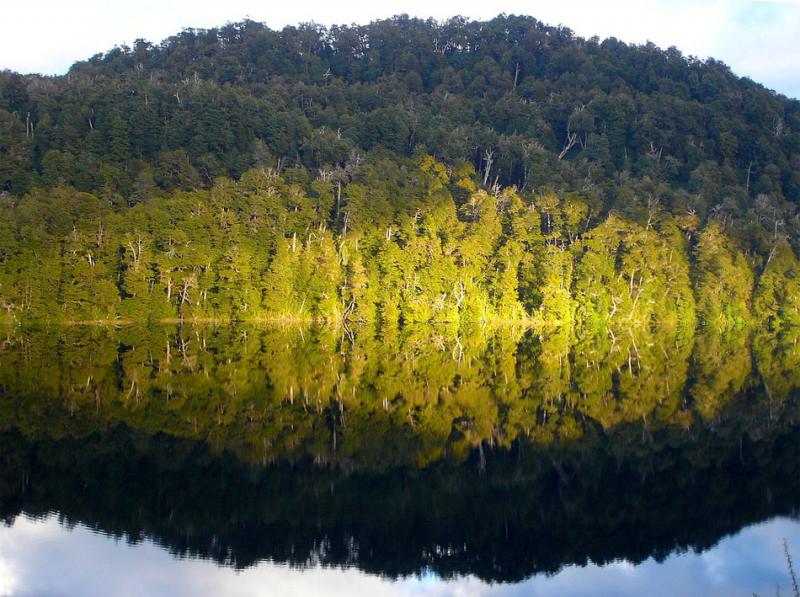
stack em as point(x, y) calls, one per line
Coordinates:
point(414, 396)
point(494, 452)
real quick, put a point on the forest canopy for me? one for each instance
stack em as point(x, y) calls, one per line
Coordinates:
point(397, 172)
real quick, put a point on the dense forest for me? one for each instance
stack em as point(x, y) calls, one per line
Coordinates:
point(398, 172)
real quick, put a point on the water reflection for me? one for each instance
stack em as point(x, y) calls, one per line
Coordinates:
point(43, 558)
point(495, 454)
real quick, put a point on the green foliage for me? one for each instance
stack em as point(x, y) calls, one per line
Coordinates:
point(776, 303)
point(413, 242)
point(429, 392)
point(723, 280)
point(521, 103)
point(244, 173)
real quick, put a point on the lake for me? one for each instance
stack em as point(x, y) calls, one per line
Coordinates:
point(254, 459)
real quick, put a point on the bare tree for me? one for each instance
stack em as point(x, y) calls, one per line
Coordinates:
point(136, 250)
point(488, 159)
point(569, 143)
point(654, 153)
point(574, 137)
point(790, 566)
point(652, 209)
point(183, 294)
point(459, 293)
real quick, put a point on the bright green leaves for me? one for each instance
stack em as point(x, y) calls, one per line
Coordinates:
point(723, 280)
point(421, 243)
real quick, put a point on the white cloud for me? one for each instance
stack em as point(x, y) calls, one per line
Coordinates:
point(8, 578)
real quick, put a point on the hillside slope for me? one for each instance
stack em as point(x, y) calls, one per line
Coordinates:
point(400, 171)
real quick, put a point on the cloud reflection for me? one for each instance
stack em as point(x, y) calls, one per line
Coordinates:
point(42, 557)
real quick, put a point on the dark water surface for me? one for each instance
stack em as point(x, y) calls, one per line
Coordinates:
point(302, 460)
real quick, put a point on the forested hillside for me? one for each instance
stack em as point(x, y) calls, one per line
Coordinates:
point(402, 171)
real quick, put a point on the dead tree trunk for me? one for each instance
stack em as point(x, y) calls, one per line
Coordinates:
point(488, 157)
point(569, 143)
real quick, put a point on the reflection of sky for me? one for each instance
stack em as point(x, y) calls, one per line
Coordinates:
point(44, 558)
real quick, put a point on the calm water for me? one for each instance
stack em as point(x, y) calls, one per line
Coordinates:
point(300, 460)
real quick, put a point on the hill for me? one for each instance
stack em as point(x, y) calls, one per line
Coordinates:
point(490, 160)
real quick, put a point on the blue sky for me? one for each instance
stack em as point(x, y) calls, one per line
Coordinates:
point(757, 38)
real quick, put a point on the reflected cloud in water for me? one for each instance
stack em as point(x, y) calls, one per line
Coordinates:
point(44, 557)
